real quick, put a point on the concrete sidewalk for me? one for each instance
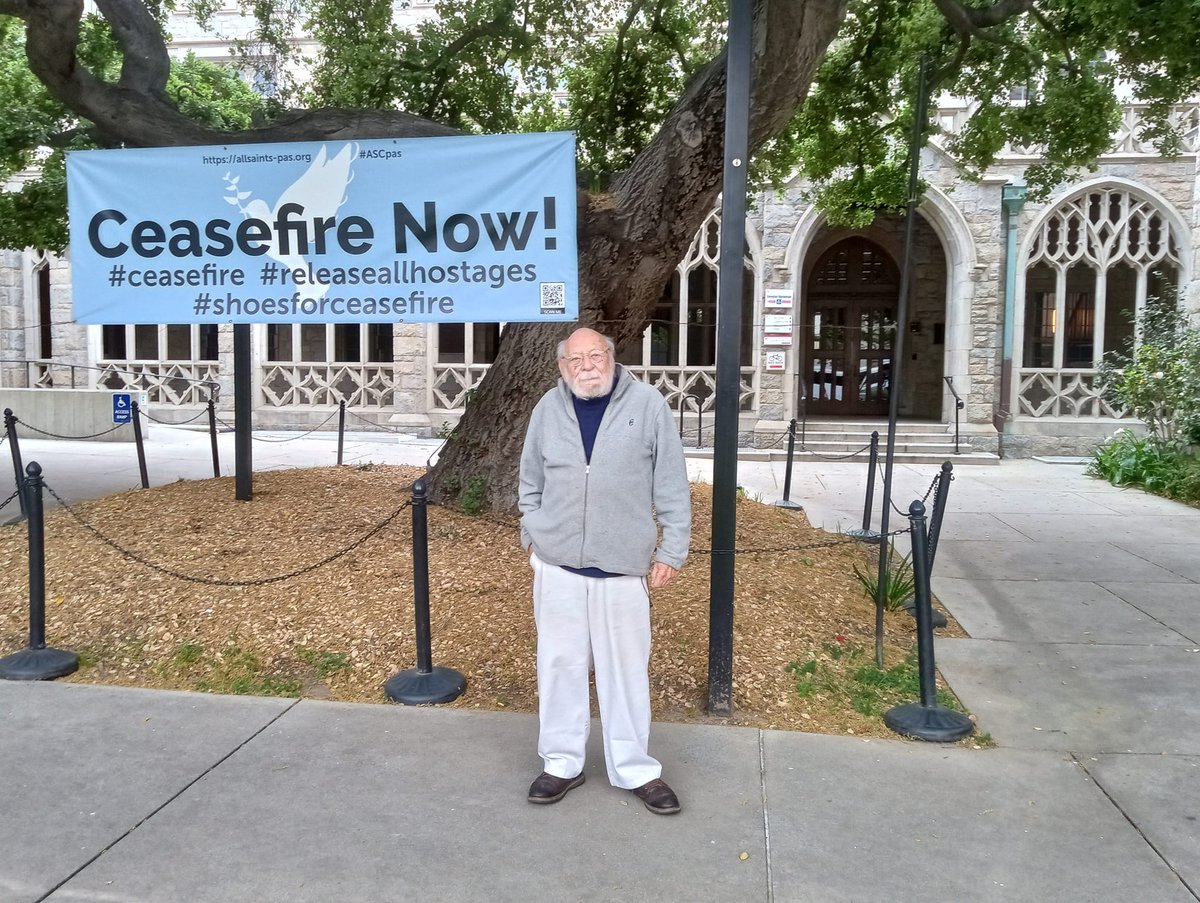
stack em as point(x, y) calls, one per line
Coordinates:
point(1083, 604)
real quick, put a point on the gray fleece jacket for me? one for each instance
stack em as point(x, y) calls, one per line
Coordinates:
point(599, 514)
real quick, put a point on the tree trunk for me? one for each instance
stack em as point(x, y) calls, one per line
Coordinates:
point(629, 240)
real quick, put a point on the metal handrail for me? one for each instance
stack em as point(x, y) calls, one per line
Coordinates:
point(699, 417)
point(959, 404)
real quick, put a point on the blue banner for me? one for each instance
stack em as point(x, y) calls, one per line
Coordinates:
point(420, 230)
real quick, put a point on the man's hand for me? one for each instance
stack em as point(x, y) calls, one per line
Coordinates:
point(661, 574)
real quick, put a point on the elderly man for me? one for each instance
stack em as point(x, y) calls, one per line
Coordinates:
point(601, 461)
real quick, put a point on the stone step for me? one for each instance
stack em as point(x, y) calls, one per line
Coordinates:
point(780, 454)
point(866, 426)
point(908, 444)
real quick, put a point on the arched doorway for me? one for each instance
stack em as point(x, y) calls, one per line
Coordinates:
point(850, 328)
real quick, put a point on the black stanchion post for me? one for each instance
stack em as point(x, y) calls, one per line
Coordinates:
point(939, 510)
point(872, 463)
point(141, 448)
point(10, 427)
point(786, 501)
point(424, 684)
point(341, 428)
point(212, 436)
point(38, 662)
point(865, 533)
point(925, 720)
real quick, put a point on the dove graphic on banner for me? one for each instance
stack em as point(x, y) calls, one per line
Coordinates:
point(320, 190)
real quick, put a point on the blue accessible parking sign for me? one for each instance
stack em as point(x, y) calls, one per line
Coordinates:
point(122, 408)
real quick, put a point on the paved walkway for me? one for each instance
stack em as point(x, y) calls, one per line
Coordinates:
point(1083, 605)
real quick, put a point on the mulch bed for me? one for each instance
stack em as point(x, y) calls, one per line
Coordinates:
point(338, 631)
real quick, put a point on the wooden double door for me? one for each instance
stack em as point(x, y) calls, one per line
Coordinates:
point(850, 330)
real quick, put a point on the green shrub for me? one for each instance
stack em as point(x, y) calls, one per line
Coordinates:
point(899, 583)
point(1158, 381)
point(1160, 466)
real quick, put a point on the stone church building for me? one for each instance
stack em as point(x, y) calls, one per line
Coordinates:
point(1013, 306)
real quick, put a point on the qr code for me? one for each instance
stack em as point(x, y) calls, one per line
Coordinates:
point(554, 297)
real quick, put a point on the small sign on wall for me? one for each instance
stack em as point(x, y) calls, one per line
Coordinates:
point(776, 360)
point(777, 297)
point(785, 340)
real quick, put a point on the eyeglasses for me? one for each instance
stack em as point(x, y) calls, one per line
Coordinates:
point(575, 361)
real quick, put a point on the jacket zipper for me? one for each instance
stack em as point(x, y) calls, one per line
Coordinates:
point(587, 471)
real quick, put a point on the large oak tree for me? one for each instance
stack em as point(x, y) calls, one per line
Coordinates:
point(645, 79)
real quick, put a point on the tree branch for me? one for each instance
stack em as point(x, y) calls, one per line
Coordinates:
point(146, 63)
point(136, 112)
point(618, 52)
point(975, 20)
point(655, 207)
point(494, 27)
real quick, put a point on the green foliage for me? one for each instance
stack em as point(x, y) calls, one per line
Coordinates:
point(188, 653)
point(611, 70)
point(36, 131)
point(1159, 380)
point(842, 675)
point(1158, 466)
point(899, 582)
point(474, 495)
point(240, 672)
point(324, 664)
point(851, 137)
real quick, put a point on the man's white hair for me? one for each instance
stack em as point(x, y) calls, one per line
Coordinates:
point(560, 350)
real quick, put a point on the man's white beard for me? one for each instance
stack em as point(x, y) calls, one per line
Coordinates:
point(597, 391)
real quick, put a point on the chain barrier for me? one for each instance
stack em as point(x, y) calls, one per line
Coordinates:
point(928, 492)
point(216, 581)
point(4, 503)
point(289, 438)
point(57, 436)
point(853, 454)
point(150, 416)
point(829, 544)
point(3, 437)
point(378, 426)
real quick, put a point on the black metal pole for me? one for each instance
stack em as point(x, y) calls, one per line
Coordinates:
point(786, 501)
point(872, 462)
point(425, 684)
point(212, 436)
point(729, 330)
point(925, 720)
point(940, 494)
point(420, 540)
point(787, 473)
point(141, 448)
point(37, 662)
point(242, 400)
point(914, 155)
point(10, 427)
point(341, 428)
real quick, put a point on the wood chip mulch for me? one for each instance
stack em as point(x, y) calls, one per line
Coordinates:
point(339, 631)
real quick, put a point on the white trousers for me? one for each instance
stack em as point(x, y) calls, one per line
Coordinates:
point(605, 623)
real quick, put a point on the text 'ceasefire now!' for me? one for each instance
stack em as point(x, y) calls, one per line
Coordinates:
point(323, 235)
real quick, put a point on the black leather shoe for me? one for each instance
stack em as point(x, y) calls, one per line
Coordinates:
point(546, 788)
point(658, 797)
